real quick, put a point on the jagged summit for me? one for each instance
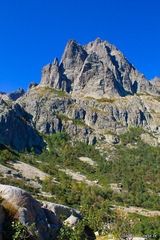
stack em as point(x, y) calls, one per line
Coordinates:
point(97, 77)
point(97, 69)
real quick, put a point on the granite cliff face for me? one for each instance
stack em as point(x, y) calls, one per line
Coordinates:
point(97, 70)
point(16, 128)
point(92, 92)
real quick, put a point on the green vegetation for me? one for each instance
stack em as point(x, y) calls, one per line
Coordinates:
point(106, 100)
point(50, 91)
point(147, 226)
point(79, 122)
point(69, 234)
point(6, 154)
point(12, 228)
point(135, 166)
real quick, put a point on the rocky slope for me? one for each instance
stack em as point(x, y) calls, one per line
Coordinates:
point(93, 92)
point(16, 128)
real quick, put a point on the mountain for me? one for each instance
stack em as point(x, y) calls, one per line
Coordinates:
point(86, 137)
point(97, 70)
point(94, 90)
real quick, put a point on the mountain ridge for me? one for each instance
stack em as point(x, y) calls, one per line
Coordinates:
point(92, 91)
point(98, 66)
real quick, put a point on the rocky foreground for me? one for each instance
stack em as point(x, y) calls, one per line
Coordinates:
point(42, 219)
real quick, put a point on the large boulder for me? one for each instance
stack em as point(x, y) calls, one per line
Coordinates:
point(72, 216)
point(41, 220)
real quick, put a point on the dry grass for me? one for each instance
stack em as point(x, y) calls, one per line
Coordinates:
point(106, 100)
point(102, 238)
point(105, 238)
point(9, 208)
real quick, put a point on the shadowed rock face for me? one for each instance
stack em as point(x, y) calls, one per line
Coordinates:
point(98, 70)
point(16, 128)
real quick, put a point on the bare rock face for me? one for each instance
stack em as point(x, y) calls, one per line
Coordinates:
point(89, 119)
point(97, 70)
point(42, 220)
point(16, 128)
point(73, 60)
point(51, 75)
point(149, 139)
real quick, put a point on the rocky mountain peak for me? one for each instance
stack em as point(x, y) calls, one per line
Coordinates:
point(101, 86)
point(97, 69)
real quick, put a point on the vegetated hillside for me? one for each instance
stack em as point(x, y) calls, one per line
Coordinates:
point(130, 177)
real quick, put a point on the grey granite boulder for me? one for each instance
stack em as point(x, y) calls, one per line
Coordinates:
point(72, 216)
point(28, 211)
point(41, 220)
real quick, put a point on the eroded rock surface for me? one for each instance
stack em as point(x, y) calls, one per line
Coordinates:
point(17, 129)
point(97, 69)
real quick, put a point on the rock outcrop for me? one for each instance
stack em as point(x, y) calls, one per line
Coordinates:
point(41, 219)
point(17, 129)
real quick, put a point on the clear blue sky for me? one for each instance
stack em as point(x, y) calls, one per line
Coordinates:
point(33, 32)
